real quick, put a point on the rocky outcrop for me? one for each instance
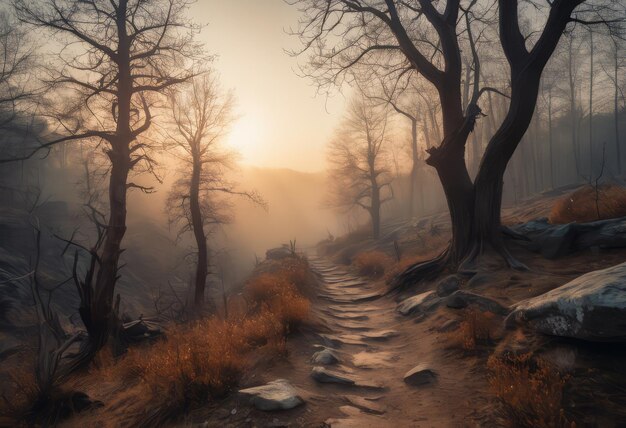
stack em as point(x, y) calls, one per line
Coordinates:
point(591, 307)
point(276, 395)
point(554, 241)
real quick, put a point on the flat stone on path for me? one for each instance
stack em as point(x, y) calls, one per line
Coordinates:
point(418, 303)
point(276, 395)
point(325, 357)
point(372, 360)
point(420, 375)
point(323, 375)
point(365, 405)
point(320, 374)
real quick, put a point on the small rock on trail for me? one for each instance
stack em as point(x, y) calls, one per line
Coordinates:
point(420, 375)
point(276, 395)
point(325, 357)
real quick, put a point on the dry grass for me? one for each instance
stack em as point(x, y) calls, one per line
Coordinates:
point(585, 205)
point(206, 359)
point(372, 264)
point(476, 328)
point(198, 361)
point(530, 390)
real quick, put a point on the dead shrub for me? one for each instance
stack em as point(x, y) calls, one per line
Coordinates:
point(530, 390)
point(372, 264)
point(476, 328)
point(585, 205)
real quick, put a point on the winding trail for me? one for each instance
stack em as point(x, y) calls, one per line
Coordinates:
point(375, 347)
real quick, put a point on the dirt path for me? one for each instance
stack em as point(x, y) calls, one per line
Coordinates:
point(375, 347)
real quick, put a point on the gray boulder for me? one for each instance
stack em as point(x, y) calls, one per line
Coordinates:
point(448, 285)
point(591, 307)
point(276, 395)
point(462, 299)
point(322, 375)
point(420, 375)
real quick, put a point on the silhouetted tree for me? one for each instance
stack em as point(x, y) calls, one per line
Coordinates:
point(122, 53)
point(359, 162)
point(202, 114)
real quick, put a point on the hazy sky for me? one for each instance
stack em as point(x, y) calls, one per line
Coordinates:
point(283, 123)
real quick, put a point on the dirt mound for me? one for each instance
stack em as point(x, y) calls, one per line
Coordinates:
point(589, 203)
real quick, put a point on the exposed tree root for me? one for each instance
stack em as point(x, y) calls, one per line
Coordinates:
point(424, 270)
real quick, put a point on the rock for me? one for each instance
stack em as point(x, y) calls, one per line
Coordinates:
point(278, 253)
point(325, 357)
point(365, 405)
point(276, 395)
point(479, 279)
point(420, 375)
point(591, 307)
point(380, 335)
point(554, 241)
point(320, 374)
point(448, 285)
point(462, 299)
point(421, 302)
point(141, 329)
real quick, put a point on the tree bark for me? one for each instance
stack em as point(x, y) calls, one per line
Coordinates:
point(197, 225)
point(414, 168)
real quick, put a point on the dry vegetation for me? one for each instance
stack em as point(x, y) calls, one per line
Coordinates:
point(197, 361)
point(476, 328)
point(372, 264)
point(530, 390)
point(588, 204)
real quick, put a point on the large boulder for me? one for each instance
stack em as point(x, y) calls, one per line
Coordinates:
point(591, 307)
point(276, 395)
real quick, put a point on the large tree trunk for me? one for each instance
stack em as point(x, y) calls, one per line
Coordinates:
point(197, 225)
point(97, 308)
point(414, 168)
point(449, 161)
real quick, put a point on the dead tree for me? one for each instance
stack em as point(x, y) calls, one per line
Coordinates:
point(357, 155)
point(397, 36)
point(202, 114)
point(124, 53)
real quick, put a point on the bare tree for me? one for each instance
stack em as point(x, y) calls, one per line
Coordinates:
point(359, 163)
point(202, 114)
point(426, 37)
point(114, 57)
point(16, 59)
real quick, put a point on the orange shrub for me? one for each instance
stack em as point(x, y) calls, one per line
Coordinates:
point(372, 263)
point(476, 328)
point(530, 390)
point(585, 205)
